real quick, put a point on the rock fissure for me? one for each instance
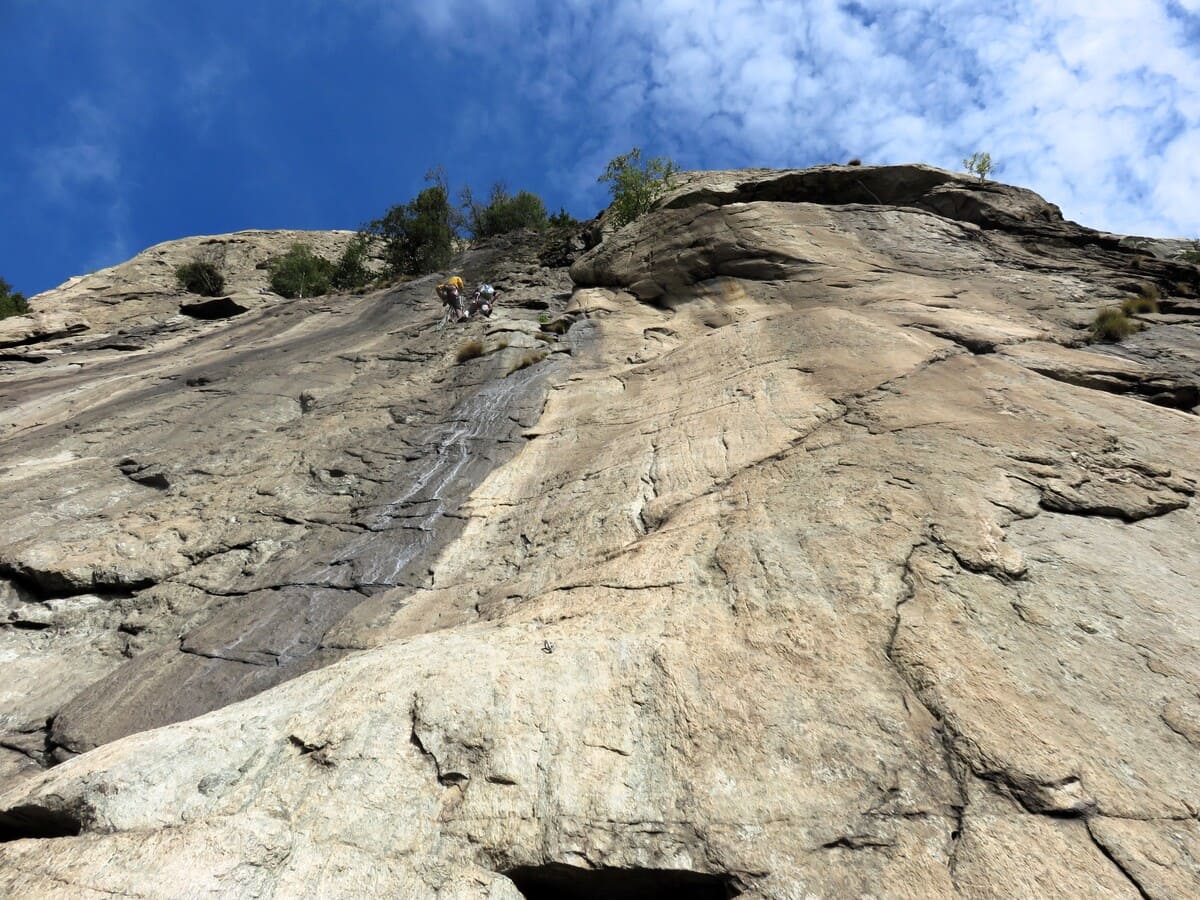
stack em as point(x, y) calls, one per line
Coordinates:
point(1064, 504)
point(49, 585)
point(275, 658)
point(34, 745)
point(1158, 390)
point(858, 842)
point(1118, 865)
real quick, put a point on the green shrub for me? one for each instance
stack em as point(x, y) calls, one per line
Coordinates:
point(979, 164)
point(637, 184)
point(12, 303)
point(1112, 325)
point(200, 276)
point(1191, 256)
point(468, 350)
point(300, 273)
point(418, 236)
point(350, 272)
point(503, 213)
point(562, 219)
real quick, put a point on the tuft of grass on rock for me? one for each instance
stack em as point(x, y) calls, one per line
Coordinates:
point(1140, 304)
point(1146, 301)
point(1112, 325)
point(468, 350)
point(527, 360)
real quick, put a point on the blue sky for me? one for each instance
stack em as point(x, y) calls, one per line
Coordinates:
point(129, 122)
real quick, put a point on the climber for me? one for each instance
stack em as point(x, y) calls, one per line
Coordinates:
point(450, 292)
point(482, 300)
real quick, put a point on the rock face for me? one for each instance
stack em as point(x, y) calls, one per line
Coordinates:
point(124, 306)
point(805, 551)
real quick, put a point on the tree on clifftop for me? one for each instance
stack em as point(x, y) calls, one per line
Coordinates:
point(300, 273)
point(12, 303)
point(418, 236)
point(637, 184)
point(503, 213)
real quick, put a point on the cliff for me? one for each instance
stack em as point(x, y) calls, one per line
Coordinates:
point(792, 542)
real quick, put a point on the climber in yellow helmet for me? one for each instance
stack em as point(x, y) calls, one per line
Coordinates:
point(450, 292)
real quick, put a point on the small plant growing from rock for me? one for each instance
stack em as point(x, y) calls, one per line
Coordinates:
point(1138, 305)
point(468, 350)
point(1145, 302)
point(855, 162)
point(1111, 325)
point(200, 276)
point(526, 361)
point(637, 184)
point(979, 165)
point(12, 303)
point(1191, 256)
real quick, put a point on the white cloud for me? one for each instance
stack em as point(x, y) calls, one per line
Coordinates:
point(206, 83)
point(80, 173)
point(84, 157)
point(448, 20)
point(112, 242)
point(1093, 103)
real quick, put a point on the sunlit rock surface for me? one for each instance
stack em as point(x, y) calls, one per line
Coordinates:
point(812, 552)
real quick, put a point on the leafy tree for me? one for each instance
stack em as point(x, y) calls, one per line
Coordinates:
point(300, 273)
point(503, 213)
point(979, 164)
point(418, 236)
point(350, 271)
point(637, 184)
point(12, 303)
point(200, 276)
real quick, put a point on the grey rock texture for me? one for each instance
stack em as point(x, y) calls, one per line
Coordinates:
point(813, 555)
point(123, 306)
